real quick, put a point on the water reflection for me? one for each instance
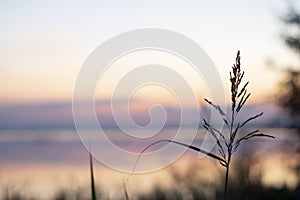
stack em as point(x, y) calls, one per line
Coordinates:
point(41, 164)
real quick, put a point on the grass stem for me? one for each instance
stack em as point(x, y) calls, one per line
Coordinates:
point(226, 177)
point(93, 190)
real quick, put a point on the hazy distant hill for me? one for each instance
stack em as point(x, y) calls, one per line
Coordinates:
point(59, 115)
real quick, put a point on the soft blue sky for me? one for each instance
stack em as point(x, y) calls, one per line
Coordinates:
point(44, 43)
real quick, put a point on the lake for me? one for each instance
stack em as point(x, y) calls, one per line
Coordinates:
point(42, 162)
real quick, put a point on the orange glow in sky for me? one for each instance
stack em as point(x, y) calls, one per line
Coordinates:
point(42, 49)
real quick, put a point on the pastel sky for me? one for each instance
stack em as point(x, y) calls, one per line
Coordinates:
point(44, 43)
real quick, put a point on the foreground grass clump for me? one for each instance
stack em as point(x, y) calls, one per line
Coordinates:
point(229, 142)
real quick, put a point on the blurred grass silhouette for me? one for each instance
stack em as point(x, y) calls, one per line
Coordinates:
point(229, 143)
point(188, 184)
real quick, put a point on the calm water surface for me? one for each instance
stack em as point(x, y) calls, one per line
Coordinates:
point(43, 161)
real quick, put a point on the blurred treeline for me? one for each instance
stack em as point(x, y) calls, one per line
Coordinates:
point(289, 92)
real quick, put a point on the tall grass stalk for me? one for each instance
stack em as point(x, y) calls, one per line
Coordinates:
point(239, 97)
point(229, 143)
point(93, 190)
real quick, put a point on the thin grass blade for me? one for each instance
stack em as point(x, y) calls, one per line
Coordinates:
point(251, 118)
point(125, 191)
point(93, 190)
point(179, 143)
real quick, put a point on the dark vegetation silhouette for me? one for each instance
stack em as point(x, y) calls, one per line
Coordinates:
point(289, 94)
point(93, 187)
point(228, 144)
point(231, 138)
point(244, 185)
